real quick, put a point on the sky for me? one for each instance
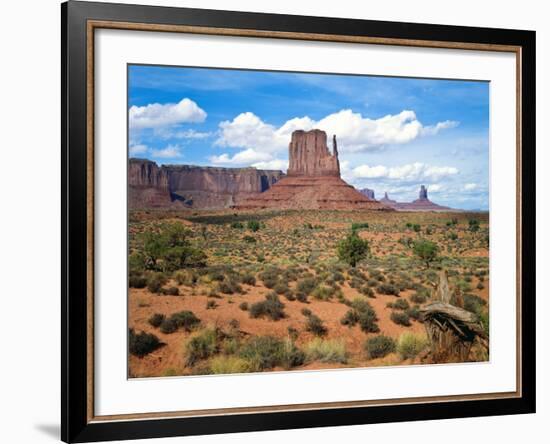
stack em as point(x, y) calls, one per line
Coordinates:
point(394, 134)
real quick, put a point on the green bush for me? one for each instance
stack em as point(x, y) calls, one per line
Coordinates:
point(265, 352)
point(352, 249)
point(419, 297)
point(323, 292)
point(409, 345)
point(473, 303)
point(281, 288)
point(155, 281)
point(388, 289)
point(249, 239)
point(185, 319)
point(201, 346)
point(359, 226)
point(306, 286)
point(168, 326)
point(400, 318)
point(314, 324)
point(426, 250)
point(237, 225)
point(324, 350)
point(379, 346)
point(401, 304)
point(186, 277)
point(142, 343)
point(137, 281)
point(272, 308)
point(363, 314)
point(253, 225)
point(416, 228)
point(248, 279)
point(414, 313)
point(224, 365)
point(156, 320)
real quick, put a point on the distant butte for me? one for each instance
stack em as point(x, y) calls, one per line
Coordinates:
point(313, 180)
point(420, 204)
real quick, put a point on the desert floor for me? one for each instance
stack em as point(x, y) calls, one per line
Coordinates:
point(287, 248)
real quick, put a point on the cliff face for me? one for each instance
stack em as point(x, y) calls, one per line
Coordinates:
point(313, 180)
point(309, 155)
point(368, 192)
point(193, 186)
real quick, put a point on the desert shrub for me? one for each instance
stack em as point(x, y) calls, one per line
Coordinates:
point(293, 333)
point(229, 286)
point(253, 225)
point(324, 350)
point(426, 250)
point(211, 304)
point(306, 312)
point(156, 320)
point(314, 324)
point(185, 319)
point(388, 289)
point(170, 291)
point(473, 303)
point(248, 279)
point(480, 286)
point(419, 297)
point(416, 228)
point(272, 308)
point(265, 352)
point(270, 276)
point(142, 343)
point(400, 318)
point(473, 225)
point(281, 288)
point(237, 225)
point(352, 249)
point(289, 294)
point(301, 297)
point(363, 314)
point(224, 365)
point(410, 344)
point(367, 291)
point(249, 239)
point(359, 226)
point(379, 346)
point(137, 281)
point(323, 292)
point(168, 326)
point(201, 346)
point(186, 277)
point(243, 306)
point(414, 313)
point(155, 281)
point(306, 285)
point(401, 304)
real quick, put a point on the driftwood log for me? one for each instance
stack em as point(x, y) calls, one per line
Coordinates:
point(451, 330)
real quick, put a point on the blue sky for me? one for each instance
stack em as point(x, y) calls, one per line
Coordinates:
point(394, 134)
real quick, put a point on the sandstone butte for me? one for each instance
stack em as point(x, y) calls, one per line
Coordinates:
point(420, 204)
point(313, 180)
point(189, 186)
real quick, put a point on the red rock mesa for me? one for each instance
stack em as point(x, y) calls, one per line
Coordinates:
point(313, 180)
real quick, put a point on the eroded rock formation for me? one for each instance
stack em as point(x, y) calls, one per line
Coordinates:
point(368, 192)
point(194, 186)
point(313, 180)
point(420, 204)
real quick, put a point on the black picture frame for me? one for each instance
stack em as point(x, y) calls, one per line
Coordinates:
point(76, 423)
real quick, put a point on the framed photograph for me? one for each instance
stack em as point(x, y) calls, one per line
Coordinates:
point(275, 221)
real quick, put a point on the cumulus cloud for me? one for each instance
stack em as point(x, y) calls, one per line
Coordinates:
point(470, 186)
point(246, 157)
point(275, 164)
point(176, 133)
point(137, 149)
point(355, 133)
point(413, 172)
point(170, 152)
point(155, 115)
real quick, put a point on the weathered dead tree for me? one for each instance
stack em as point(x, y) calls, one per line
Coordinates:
point(451, 330)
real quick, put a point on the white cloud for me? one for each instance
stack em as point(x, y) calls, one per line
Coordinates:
point(170, 152)
point(416, 171)
point(470, 186)
point(434, 129)
point(137, 149)
point(354, 132)
point(157, 115)
point(246, 157)
point(174, 133)
point(275, 164)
